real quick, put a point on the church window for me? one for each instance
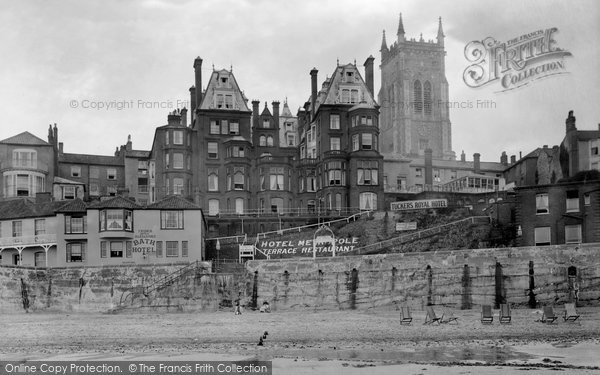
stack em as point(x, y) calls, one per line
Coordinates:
point(427, 98)
point(418, 97)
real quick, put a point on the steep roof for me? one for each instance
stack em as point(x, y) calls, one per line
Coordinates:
point(331, 90)
point(25, 208)
point(116, 202)
point(216, 86)
point(90, 159)
point(76, 205)
point(266, 111)
point(173, 202)
point(285, 112)
point(25, 138)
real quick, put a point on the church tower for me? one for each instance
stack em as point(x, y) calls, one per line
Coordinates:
point(414, 97)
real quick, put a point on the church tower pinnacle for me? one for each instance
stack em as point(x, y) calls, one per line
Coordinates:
point(440, 33)
point(400, 30)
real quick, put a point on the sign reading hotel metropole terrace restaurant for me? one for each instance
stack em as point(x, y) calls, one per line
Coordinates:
point(419, 205)
point(304, 247)
point(514, 63)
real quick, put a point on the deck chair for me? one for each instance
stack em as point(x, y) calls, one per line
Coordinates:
point(487, 317)
point(548, 315)
point(505, 316)
point(448, 317)
point(570, 313)
point(405, 317)
point(430, 317)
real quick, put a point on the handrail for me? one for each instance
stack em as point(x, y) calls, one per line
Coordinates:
point(294, 229)
point(159, 284)
point(415, 235)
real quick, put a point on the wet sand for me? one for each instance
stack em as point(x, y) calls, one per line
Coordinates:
point(313, 342)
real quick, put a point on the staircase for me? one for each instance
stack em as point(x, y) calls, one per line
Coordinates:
point(131, 294)
point(382, 246)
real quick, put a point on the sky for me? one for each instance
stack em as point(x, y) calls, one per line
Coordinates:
point(64, 60)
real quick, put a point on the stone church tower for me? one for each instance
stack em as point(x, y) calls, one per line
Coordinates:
point(414, 97)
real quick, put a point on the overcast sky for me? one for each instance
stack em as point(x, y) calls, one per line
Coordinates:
point(62, 54)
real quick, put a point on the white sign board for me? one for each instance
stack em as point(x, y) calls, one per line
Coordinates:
point(419, 205)
point(406, 226)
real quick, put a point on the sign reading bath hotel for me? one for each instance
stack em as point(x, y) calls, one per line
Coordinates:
point(419, 205)
point(514, 63)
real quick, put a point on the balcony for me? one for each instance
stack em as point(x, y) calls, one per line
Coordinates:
point(308, 162)
point(21, 166)
point(335, 154)
point(28, 241)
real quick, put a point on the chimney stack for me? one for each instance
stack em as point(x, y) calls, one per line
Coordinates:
point(255, 104)
point(369, 74)
point(428, 166)
point(313, 81)
point(463, 157)
point(504, 158)
point(192, 104)
point(513, 159)
point(184, 117)
point(55, 131)
point(276, 113)
point(476, 162)
point(570, 122)
point(60, 148)
point(198, 76)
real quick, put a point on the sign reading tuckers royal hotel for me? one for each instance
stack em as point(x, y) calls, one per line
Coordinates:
point(514, 63)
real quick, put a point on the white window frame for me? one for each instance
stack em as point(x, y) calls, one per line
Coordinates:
point(540, 234)
point(571, 230)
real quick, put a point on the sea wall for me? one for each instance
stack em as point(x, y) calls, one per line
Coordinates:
point(462, 279)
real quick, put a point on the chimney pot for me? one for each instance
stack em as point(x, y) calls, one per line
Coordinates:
point(513, 159)
point(313, 79)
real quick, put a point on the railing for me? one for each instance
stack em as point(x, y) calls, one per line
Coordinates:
point(244, 238)
point(437, 188)
point(40, 239)
point(170, 278)
point(316, 212)
point(33, 166)
point(311, 162)
point(416, 235)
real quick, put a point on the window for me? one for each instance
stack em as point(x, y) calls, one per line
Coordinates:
point(17, 228)
point(334, 122)
point(269, 141)
point(276, 178)
point(594, 150)
point(228, 101)
point(116, 220)
point(159, 249)
point(213, 150)
point(224, 127)
point(368, 201)
point(311, 184)
point(213, 179)
point(167, 137)
point(128, 249)
point(172, 219)
point(40, 226)
point(111, 190)
point(238, 179)
point(367, 141)
point(427, 98)
point(573, 233)
point(24, 159)
point(167, 160)
point(542, 236)
point(353, 96)
point(213, 207)
point(234, 128)
point(572, 201)
point(335, 173)
point(355, 143)
point(345, 96)
point(239, 205)
point(266, 124)
point(76, 252)
point(276, 205)
point(184, 249)
point(40, 259)
point(236, 151)
point(103, 251)
point(334, 143)
point(178, 187)
point(368, 172)
point(541, 204)
point(178, 160)
point(172, 249)
point(177, 137)
point(94, 172)
point(75, 171)
point(423, 144)
point(586, 199)
point(75, 224)
point(116, 249)
point(111, 174)
point(291, 139)
point(215, 127)
point(68, 192)
point(262, 141)
point(418, 172)
point(418, 101)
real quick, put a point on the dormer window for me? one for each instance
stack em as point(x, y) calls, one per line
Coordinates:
point(349, 76)
point(116, 220)
point(266, 124)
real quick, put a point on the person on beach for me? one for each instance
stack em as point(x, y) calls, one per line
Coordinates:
point(576, 290)
point(238, 309)
point(265, 308)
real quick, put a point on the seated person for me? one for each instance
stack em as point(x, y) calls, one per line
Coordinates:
point(265, 307)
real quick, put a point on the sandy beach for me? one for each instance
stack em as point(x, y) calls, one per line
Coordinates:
point(312, 342)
